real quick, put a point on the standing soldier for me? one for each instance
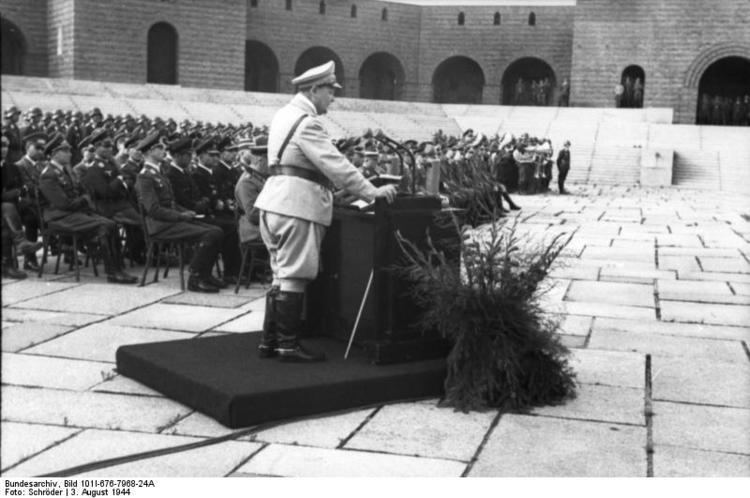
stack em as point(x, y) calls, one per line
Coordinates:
point(296, 205)
point(563, 166)
point(169, 220)
point(11, 130)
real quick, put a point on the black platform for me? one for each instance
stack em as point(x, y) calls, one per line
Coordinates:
point(223, 378)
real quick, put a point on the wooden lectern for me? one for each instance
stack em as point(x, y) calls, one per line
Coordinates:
point(360, 242)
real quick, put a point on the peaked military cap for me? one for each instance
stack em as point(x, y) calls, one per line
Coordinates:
point(149, 141)
point(96, 112)
point(261, 145)
point(131, 141)
point(183, 144)
point(207, 145)
point(38, 137)
point(56, 143)
point(98, 135)
point(11, 111)
point(325, 74)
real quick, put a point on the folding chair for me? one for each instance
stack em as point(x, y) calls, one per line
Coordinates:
point(156, 242)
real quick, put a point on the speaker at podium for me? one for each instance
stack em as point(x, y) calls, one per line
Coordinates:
point(360, 243)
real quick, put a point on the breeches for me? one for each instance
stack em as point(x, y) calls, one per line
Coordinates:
point(294, 249)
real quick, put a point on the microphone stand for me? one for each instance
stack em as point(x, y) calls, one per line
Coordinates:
point(395, 147)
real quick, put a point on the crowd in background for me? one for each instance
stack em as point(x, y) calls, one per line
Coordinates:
point(724, 110)
point(204, 165)
point(539, 92)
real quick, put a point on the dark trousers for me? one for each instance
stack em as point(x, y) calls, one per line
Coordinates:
point(562, 174)
point(230, 249)
point(95, 226)
point(209, 240)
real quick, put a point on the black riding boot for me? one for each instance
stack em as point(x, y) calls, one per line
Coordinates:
point(288, 326)
point(511, 204)
point(270, 341)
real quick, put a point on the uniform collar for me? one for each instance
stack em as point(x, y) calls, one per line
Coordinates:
point(26, 156)
point(174, 165)
point(57, 165)
point(302, 102)
point(225, 165)
point(201, 165)
point(151, 165)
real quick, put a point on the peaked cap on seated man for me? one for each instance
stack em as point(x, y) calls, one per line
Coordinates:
point(325, 74)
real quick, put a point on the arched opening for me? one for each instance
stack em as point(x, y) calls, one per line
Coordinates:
point(261, 68)
point(633, 83)
point(384, 14)
point(13, 48)
point(288, 4)
point(316, 56)
point(461, 18)
point(353, 12)
point(528, 81)
point(724, 93)
point(496, 20)
point(458, 80)
point(322, 7)
point(381, 77)
point(161, 65)
point(532, 19)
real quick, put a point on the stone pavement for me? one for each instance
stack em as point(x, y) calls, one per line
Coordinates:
point(654, 296)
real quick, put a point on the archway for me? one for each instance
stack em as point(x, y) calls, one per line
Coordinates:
point(724, 93)
point(13, 48)
point(458, 80)
point(162, 54)
point(381, 77)
point(261, 68)
point(528, 81)
point(633, 81)
point(316, 56)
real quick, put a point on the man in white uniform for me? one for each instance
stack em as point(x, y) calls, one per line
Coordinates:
point(296, 206)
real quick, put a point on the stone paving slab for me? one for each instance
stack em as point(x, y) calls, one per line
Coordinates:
point(673, 328)
point(100, 299)
point(618, 405)
point(688, 347)
point(573, 341)
point(55, 373)
point(725, 265)
point(638, 245)
point(21, 441)
point(715, 276)
point(177, 317)
point(220, 300)
point(719, 314)
point(100, 341)
point(530, 446)
point(28, 290)
point(699, 252)
point(123, 385)
point(53, 317)
point(611, 293)
point(609, 253)
point(680, 264)
point(575, 325)
point(741, 289)
point(250, 322)
point(609, 310)
point(678, 240)
point(701, 381)
point(632, 275)
point(609, 368)
point(88, 409)
point(19, 336)
point(702, 427)
point(93, 445)
point(301, 461)
point(424, 430)
point(673, 461)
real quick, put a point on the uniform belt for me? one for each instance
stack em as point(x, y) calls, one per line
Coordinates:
point(307, 174)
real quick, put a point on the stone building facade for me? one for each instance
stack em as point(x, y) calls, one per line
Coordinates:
point(389, 50)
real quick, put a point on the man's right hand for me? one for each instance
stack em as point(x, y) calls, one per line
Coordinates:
point(387, 191)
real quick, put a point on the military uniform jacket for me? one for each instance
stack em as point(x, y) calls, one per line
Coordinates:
point(107, 191)
point(563, 159)
point(225, 178)
point(156, 196)
point(186, 192)
point(246, 193)
point(61, 193)
point(15, 144)
point(206, 183)
point(12, 182)
point(30, 171)
point(310, 147)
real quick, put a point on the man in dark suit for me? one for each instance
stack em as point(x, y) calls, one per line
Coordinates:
point(170, 220)
point(13, 133)
point(563, 166)
point(68, 208)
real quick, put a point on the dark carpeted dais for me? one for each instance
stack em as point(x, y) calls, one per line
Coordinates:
point(224, 378)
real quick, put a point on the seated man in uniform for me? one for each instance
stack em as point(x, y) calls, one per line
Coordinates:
point(296, 206)
point(169, 220)
point(12, 231)
point(69, 209)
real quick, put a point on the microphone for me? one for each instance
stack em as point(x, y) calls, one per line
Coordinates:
point(396, 146)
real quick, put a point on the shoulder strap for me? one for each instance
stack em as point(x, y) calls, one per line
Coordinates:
point(289, 137)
